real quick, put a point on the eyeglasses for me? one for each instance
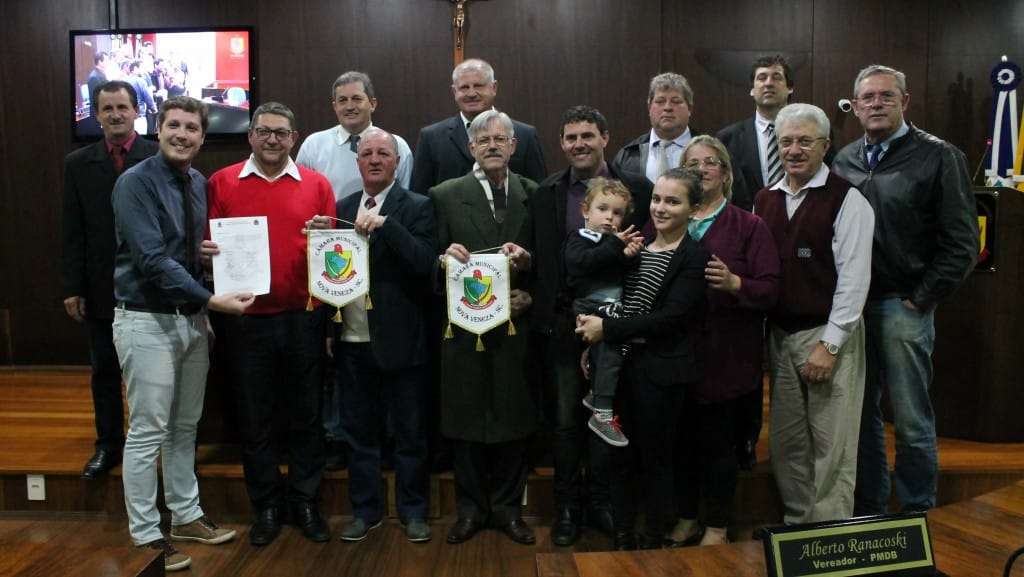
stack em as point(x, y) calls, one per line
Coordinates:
point(264, 133)
point(887, 98)
point(500, 141)
point(697, 164)
point(805, 143)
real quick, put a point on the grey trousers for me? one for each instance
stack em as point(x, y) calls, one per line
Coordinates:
point(814, 427)
point(164, 360)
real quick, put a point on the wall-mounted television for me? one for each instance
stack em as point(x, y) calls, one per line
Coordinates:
point(214, 64)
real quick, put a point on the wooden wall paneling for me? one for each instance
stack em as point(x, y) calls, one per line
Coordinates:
point(550, 55)
point(966, 40)
point(35, 129)
point(713, 49)
point(851, 35)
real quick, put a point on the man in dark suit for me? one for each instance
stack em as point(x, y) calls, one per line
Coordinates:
point(88, 258)
point(555, 209)
point(487, 408)
point(382, 351)
point(442, 152)
point(640, 162)
point(751, 142)
point(98, 76)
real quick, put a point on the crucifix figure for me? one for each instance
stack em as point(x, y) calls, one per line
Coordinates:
point(459, 30)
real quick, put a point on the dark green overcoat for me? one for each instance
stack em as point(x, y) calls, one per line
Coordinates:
point(484, 395)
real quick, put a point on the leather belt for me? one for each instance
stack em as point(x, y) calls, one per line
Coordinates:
point(185, 309)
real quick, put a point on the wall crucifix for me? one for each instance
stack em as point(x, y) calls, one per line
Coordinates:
point(459, 29)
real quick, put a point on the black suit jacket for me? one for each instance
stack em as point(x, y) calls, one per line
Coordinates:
point(87, 262)
point(740, 139)
point(402, 259)
point(673, 329)
point(442, 153)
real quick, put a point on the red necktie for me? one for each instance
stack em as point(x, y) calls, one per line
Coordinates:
point(117, 153)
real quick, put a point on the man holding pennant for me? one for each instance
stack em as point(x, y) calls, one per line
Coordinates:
point(381, 341)
point(275, 350)
point(487, 408)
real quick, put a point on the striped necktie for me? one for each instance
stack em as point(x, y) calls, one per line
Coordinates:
point(773, 162)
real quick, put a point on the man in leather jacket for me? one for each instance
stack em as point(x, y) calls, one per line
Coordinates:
point(925, 245)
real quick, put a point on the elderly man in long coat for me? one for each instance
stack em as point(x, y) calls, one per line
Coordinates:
point(487, 408)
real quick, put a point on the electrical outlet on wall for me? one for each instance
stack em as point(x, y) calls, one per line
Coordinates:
point(36, 487)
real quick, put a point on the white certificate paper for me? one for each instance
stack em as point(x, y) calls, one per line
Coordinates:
point(244, 260)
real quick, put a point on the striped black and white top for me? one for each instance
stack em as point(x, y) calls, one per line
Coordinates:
point(643, 282)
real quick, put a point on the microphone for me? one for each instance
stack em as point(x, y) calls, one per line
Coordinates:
point(988, 146)
point(845, 105)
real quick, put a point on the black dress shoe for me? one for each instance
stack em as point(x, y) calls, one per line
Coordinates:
point(565, 530)
point(519, 531)
point(624, 541)
point(746, 454)
point(266, 527)
point(306, 517)
point(645, 541)
point(601, 519)
point(463, 530)
point(101, 462)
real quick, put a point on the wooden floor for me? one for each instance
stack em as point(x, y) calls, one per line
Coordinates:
point(46, 428)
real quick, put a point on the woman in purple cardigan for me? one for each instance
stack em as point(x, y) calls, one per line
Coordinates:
point(743, 283)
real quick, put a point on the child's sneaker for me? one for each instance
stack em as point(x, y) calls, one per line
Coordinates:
point(606, 426)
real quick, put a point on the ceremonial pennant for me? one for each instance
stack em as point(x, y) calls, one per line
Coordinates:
point(478, 294)
point(339, 267)
point(1006, 77)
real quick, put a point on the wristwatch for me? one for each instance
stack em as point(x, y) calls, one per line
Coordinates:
point(832, 349)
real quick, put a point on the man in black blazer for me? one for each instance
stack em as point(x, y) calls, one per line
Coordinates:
point(87, 264)
point(640, 162)
point(383, 348)
point(442, 152)
point(748, 141)
point(555, 208)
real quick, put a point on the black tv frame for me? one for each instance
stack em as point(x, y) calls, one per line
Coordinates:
point(210, 136)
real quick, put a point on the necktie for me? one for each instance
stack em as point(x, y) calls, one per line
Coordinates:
point(773, 162)
point(353, 142)
point(117, 153)
point(500, 203)
point(185, 184)
point(873, 150)
point(661, 160)
point(370, 203)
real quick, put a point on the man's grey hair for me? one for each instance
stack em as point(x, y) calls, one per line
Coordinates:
point(485, 118)
point(350, 77)
point(273, 108)
point(374, 131)
point(473, 65)
point(803, 112)
point(671, 81)
point(876, 69)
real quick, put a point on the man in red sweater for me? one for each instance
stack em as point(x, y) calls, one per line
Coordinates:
point(275, 351)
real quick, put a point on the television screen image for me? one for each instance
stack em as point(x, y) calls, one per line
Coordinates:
point(213, 65)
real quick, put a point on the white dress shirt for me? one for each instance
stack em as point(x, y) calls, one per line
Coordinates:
point(673, 151)
point(328, 152)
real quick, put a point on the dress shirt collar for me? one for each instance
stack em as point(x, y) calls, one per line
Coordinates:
point(290, 169)
point(903, 129)
point(682, 140)
point(342, 136)
point(761, 122)
point(379, 198)
point(127, 146)
point(816, 181)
